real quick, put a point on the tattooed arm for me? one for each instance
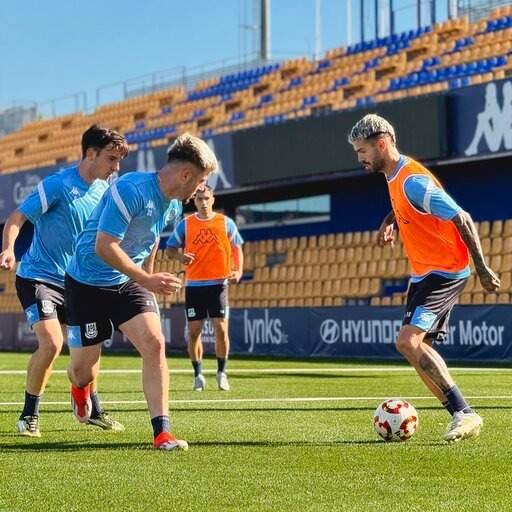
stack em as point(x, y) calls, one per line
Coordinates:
point(467, 230)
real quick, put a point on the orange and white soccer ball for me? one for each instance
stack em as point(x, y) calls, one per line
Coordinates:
point(395, 420)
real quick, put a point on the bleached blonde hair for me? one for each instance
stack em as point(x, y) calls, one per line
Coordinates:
point(371, 125)
point(193, 150)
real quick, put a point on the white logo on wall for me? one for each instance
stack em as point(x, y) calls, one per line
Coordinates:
point(494, 123)
point(146, 160)
point(91, 331)
point(263, 331)
point(219, 174)
point(329, 331)
point(22, 188)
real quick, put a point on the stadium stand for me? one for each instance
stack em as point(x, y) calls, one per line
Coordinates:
point(448, 55)
point(354, 270)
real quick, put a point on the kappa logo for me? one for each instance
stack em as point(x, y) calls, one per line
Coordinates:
point(494, 123)
point(47, 307)
point(219, 176)
point(146, 160)
point(91, 331)
point(205, 236)
point(150, 206)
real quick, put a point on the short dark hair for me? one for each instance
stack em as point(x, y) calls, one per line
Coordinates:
point(205, 188)
point(98, 137)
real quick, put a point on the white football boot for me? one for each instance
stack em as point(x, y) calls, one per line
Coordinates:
point(463, 426)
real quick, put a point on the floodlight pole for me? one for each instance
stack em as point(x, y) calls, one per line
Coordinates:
point(349, 22)
point(318, 29)
point(265, 30)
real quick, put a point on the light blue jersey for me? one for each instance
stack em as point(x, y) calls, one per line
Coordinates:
point(133, 210)
point(59, 208)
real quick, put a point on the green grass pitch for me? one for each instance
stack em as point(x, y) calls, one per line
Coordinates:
point(291, 435)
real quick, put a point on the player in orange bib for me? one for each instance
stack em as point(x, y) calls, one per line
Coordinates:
point(212, 253)
point(438, 237)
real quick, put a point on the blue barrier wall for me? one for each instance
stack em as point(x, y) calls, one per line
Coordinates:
point(477, 333)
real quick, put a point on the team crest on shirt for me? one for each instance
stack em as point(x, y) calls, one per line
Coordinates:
point(74, 192)
point(47, 307)
point(91, 331)
point(171, 215)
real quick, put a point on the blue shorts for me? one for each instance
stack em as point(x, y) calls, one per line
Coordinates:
point(430, 302)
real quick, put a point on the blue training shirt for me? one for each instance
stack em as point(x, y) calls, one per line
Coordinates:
point(133, 210)
point(59, 208)
point(177, 240)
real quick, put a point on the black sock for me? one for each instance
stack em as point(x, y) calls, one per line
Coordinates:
point(160, 424)
point(197, 365)
point(456, 400)
point(448, 407)
point(221, 364)
point(31, 407)
point(96, 410)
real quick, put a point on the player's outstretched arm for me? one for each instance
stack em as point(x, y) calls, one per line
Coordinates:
point(108, 249)
point(12, 229)
point(467, 230)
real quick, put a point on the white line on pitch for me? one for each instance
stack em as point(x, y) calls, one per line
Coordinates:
point(362, 369)
point(275, 400)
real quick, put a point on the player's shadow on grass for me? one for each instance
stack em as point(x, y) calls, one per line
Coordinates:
point(80, 446)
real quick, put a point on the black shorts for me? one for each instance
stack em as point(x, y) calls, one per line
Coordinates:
point(93, 311)
point(430, 302)
point(40, 300)
point(206, 302)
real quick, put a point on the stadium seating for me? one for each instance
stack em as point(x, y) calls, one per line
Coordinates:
point(352, 270)
point(329, 270)
point(448, 55)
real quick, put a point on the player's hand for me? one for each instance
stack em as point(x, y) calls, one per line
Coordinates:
point(7, 260)
point(235, 276)
point(490, 281)
point(386, 234)
point(187, 258)
point(163, 283)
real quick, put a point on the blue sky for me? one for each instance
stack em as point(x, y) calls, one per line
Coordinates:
point(56, 48)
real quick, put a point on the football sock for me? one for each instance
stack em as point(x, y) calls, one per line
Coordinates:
point(448, 407)
point(198, 369)
point(160, 424)
point(31, 407)
point(221, 364)
point(96, 410)
point(456, 400)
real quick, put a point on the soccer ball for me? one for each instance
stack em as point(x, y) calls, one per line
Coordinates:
point(395, 420)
